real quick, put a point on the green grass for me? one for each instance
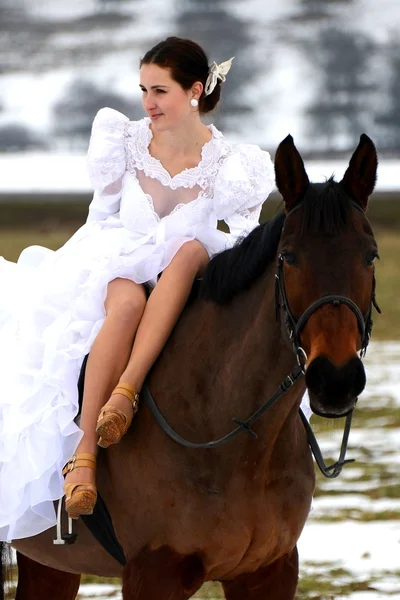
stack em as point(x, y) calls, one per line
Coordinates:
point(12, 241)
point(386, 326)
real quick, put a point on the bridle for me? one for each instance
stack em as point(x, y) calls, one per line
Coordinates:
point(294, 326)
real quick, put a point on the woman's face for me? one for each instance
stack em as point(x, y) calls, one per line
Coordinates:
point(164, 100)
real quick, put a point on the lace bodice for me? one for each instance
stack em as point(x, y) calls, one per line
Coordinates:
point(228, 183)
point(167, 194)
point(138, 136)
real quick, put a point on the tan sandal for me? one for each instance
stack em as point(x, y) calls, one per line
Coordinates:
point(80, 498)
point(112, 423)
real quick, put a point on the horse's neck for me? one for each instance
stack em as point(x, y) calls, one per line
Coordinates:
point(223, 362)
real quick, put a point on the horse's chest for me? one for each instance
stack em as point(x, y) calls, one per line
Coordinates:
point(247, 539)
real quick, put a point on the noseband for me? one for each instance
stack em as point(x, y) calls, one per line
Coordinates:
point(294, 326)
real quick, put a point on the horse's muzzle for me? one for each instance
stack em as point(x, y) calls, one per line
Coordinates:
point(333, 391)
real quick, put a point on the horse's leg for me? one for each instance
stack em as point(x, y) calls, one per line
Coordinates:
point(37, 582)
point(162, 575)
point(278, 581)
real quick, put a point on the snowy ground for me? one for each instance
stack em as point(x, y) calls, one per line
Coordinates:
point(49, 173)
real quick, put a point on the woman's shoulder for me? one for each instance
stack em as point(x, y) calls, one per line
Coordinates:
point(246, 161)
point(109, 119)
point(112, 136)
point(250, 154)
point(245, 179)
point(243, 154)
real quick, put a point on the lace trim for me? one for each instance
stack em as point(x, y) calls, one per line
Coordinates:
point(138, 136)
point(193, 203)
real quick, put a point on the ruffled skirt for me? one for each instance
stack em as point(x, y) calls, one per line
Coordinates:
point(51, 309)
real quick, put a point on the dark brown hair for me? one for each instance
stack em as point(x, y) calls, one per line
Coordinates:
point(187, 63)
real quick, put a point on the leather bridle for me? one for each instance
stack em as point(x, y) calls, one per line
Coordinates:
point(295, 325)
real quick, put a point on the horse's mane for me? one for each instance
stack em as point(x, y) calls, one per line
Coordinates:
point(325, 211)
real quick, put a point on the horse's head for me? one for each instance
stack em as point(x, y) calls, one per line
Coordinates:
point(326, 273)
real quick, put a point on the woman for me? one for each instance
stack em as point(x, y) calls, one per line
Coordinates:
point(160, 184)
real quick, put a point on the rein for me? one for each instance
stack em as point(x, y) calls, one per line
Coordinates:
point(330, 472)
point(294, 328)
point(242, 425)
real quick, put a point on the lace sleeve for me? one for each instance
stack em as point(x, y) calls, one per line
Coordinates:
point(243, 183)
point(106, 162)
point(242, 222)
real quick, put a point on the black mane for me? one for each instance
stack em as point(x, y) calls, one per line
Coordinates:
point(325, 211)
point(234, 270)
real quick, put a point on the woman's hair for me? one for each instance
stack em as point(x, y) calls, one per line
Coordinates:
point(188, 63)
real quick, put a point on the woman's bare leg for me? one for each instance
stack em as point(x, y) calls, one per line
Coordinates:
point(162, 311)
point(108, 358)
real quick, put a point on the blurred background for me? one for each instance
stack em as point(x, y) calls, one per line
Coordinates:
point(324, 71)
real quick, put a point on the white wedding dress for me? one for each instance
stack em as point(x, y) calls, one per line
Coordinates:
point(52, 303)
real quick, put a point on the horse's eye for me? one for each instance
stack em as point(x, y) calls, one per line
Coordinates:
point(370, 259)
point(289, 258)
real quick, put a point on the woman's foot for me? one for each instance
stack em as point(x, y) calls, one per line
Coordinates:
point(117, 414)
point(80, 485)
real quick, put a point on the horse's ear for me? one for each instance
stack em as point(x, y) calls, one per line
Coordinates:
point(290, 174)
point(360, 177)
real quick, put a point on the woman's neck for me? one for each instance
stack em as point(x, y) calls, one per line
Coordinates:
point(186, 139)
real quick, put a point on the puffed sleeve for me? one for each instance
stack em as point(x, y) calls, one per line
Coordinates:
point(106, 163)
point(244, 181)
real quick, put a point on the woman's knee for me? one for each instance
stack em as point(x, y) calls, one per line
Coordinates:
point(192, 257)
point(125, 299)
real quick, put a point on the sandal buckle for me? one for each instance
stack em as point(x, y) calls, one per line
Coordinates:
point(135, 402)
point(71, 463)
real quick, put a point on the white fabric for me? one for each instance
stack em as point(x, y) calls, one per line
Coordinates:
point(53, 305)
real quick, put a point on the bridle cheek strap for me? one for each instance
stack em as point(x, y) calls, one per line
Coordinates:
point(295, 326)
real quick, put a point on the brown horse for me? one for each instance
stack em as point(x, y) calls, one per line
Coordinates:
point(234, 513)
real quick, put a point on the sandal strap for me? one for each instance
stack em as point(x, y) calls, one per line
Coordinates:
point(127, 390)
point(111, 410)
point(84, 459)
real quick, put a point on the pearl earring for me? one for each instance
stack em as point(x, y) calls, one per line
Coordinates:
point(194, 102)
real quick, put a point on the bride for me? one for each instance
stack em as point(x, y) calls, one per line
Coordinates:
point(118, 286)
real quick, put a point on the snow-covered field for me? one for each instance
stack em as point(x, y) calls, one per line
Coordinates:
point(51, 173)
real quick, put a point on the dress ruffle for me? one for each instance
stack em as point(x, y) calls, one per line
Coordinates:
point(44, 339)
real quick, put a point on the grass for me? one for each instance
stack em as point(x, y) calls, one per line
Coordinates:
point(386, 326)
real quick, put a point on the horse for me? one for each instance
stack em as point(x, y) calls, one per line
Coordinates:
point(295, 293)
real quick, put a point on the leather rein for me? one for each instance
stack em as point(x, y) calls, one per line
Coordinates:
point(294, 328)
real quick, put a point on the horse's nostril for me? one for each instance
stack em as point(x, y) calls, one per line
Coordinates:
point(335, 388)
